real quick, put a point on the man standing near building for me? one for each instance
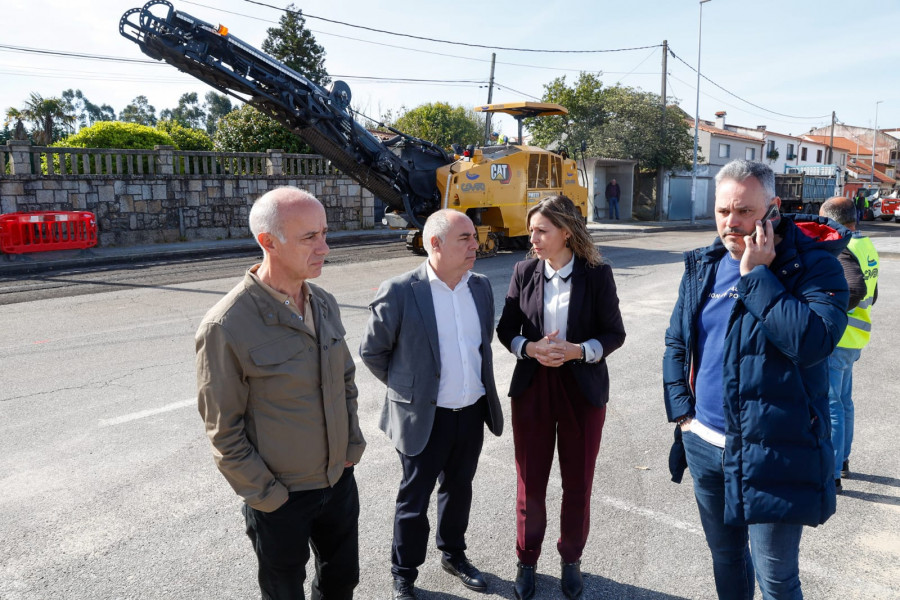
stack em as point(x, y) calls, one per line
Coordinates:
point(429, 340)
point(745, 378)
point(860, 262)
point(277, 393)
point(861, 204)
point(613, 193)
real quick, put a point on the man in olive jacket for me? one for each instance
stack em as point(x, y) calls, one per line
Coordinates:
point(277, 393)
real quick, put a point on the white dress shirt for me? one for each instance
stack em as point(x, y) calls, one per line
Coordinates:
point(557, 290)
point(459, 340)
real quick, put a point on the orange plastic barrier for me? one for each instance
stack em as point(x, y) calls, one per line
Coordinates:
point(22, 232)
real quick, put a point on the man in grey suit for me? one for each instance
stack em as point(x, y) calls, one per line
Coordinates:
point(429, 340)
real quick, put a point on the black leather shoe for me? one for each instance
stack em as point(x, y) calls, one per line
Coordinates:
point(845, 469)
point(466, 571)
point(524, 582)
point(838, 488)
point(571, 583)
point(404, 589)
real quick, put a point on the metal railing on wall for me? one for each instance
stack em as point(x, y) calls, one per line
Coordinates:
point(21, 158)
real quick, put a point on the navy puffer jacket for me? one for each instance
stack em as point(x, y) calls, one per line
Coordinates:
point(779, 462)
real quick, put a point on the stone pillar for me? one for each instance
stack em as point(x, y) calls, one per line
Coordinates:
point(19, 157)
point(165, 160)
point(275, 162)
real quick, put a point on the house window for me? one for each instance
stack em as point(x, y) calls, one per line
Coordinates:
point(790, 152)
point(802, 153)
point(724, 150)
point(818, 156)
point(771, 147)
point(750, 153)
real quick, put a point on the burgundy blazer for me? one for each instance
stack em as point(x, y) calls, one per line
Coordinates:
point(593, 314)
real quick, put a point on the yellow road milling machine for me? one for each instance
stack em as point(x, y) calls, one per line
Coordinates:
point(494, 185)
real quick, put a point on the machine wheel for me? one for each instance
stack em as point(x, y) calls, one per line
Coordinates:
point(519, 242)
point(414, 243)
point(490, 246)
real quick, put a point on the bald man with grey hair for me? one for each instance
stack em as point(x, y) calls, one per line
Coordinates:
point(428, 340)
point(276, 391)
point(436, 226)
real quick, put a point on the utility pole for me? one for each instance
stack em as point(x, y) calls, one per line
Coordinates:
point(831, 143)
point(487, 116)
point(697, 116)
point(875, 140)
point(660, 173)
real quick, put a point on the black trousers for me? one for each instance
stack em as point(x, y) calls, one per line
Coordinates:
point(326, 519)
point(450, 458)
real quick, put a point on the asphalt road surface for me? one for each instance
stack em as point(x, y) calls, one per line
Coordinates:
point(109, 490)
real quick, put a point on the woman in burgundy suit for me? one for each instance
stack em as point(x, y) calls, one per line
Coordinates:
point(561, 319)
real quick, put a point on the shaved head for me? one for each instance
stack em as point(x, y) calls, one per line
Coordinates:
point(267, 213)
point(839, 209)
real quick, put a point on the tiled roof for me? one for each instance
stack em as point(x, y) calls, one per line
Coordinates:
point(784, 135)
point(724, 133)
point(382, 135)
point(840, 143)
point(864, 171)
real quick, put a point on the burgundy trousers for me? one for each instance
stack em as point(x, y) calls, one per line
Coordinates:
point(553, 413)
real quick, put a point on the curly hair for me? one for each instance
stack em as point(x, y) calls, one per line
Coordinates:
point(563, 213)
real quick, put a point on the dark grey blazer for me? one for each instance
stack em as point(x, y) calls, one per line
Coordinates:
point(401, 349)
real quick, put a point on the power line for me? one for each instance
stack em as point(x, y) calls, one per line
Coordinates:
point(509, 89)
point(409, 79)
point(77, 55)
point(94, 77)
point(693, 86)
point(440, 41)
point(419, 50)
point(66, 54)
point(741, 99)
point(652, 53)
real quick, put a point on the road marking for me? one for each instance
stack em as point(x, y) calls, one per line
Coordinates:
point(651, 514)
point(147, 413)
point(162, 409)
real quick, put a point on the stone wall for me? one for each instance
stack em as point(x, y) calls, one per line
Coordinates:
point(165, 207)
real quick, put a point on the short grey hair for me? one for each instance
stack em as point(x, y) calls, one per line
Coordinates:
point(739, 170)
point(265, 215)
point(839, 209)
point(436, 226)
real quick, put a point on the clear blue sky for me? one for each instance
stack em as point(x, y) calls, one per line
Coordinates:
point(802, 58)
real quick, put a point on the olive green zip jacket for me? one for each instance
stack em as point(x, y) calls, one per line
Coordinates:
point(278, 401)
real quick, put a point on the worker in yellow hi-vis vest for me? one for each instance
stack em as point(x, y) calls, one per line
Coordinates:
point(860, 262)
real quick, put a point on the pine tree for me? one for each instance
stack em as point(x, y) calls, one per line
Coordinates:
point(295, 46)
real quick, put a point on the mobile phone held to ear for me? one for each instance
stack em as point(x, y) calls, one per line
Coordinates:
point(772, 214)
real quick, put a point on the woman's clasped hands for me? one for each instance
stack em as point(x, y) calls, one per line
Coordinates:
point(552, 352)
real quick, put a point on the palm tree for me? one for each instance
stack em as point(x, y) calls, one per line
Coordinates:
point(14, 115)
point(49, 116)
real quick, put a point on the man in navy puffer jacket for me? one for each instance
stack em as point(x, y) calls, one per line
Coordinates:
point(746, 380)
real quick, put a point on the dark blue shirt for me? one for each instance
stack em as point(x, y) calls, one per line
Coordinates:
point(711, 329)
